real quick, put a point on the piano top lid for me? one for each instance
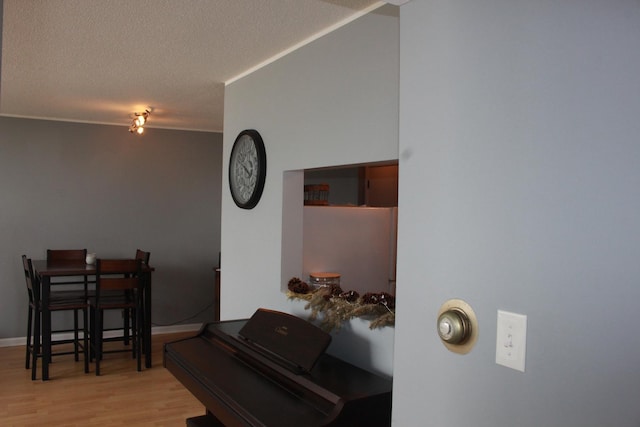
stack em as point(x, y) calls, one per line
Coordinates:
point(295, 340)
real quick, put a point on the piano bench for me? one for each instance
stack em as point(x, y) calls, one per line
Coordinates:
point(204, 421)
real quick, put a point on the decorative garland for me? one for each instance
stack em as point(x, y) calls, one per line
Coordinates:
point(338, 306)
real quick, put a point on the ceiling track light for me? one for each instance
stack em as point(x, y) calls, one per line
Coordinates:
point(139, 121)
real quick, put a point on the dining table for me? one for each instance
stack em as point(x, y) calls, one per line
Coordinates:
point(47, 270)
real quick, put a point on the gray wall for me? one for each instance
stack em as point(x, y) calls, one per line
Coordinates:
point(70, 185)
point(1, 21)
point(519, 180)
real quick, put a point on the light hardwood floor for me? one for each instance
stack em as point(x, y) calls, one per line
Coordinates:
point(120, 396)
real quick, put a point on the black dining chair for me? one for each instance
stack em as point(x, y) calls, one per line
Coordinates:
point(66, 287)
point(66, 255)
point(70, 256)
point(118, 287)
point(61, 300)
point(144, 257)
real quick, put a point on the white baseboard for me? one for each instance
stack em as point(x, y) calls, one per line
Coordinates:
point(156, 330)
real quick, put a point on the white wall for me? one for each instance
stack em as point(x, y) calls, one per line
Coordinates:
point(356, 242)
point(333, 102)
point(519, 178)
point(518, 190)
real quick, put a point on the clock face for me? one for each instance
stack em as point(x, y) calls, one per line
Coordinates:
point(247, 169)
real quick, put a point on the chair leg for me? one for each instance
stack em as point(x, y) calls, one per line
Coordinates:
point(134, 333)
point(138, 338)
point(85, 339)
point(36, 345)
point(127, 318)
point(98, 339)
point(27, 363)
point(76, 338)
point(92, 334)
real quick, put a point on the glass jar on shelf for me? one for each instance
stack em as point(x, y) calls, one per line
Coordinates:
point(322, 279)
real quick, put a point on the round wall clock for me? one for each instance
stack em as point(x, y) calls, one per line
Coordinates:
point(247, 169)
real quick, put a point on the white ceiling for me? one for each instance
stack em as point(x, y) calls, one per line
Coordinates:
point(99, 61)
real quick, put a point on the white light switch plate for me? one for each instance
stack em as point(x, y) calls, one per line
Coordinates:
point(511, 340)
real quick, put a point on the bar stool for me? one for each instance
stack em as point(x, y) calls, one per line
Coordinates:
point(75, 301)
point(144, 257)
point(118, 287)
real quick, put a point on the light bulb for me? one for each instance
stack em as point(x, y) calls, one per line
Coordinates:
point(140, 130)
point(140, 120)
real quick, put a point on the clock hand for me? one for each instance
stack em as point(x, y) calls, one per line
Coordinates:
point(246, 169)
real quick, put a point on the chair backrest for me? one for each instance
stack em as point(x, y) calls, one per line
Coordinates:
point(143, 256)
point(117, 274)
point(70, 255)
point(32, 284)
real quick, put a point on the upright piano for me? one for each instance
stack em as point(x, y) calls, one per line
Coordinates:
point(272, 371)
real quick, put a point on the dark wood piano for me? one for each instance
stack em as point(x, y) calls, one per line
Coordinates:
point(271, 370)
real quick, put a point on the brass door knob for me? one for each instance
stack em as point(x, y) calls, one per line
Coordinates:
point(454, 326)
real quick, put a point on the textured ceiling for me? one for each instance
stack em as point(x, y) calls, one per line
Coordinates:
point(98, 61)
